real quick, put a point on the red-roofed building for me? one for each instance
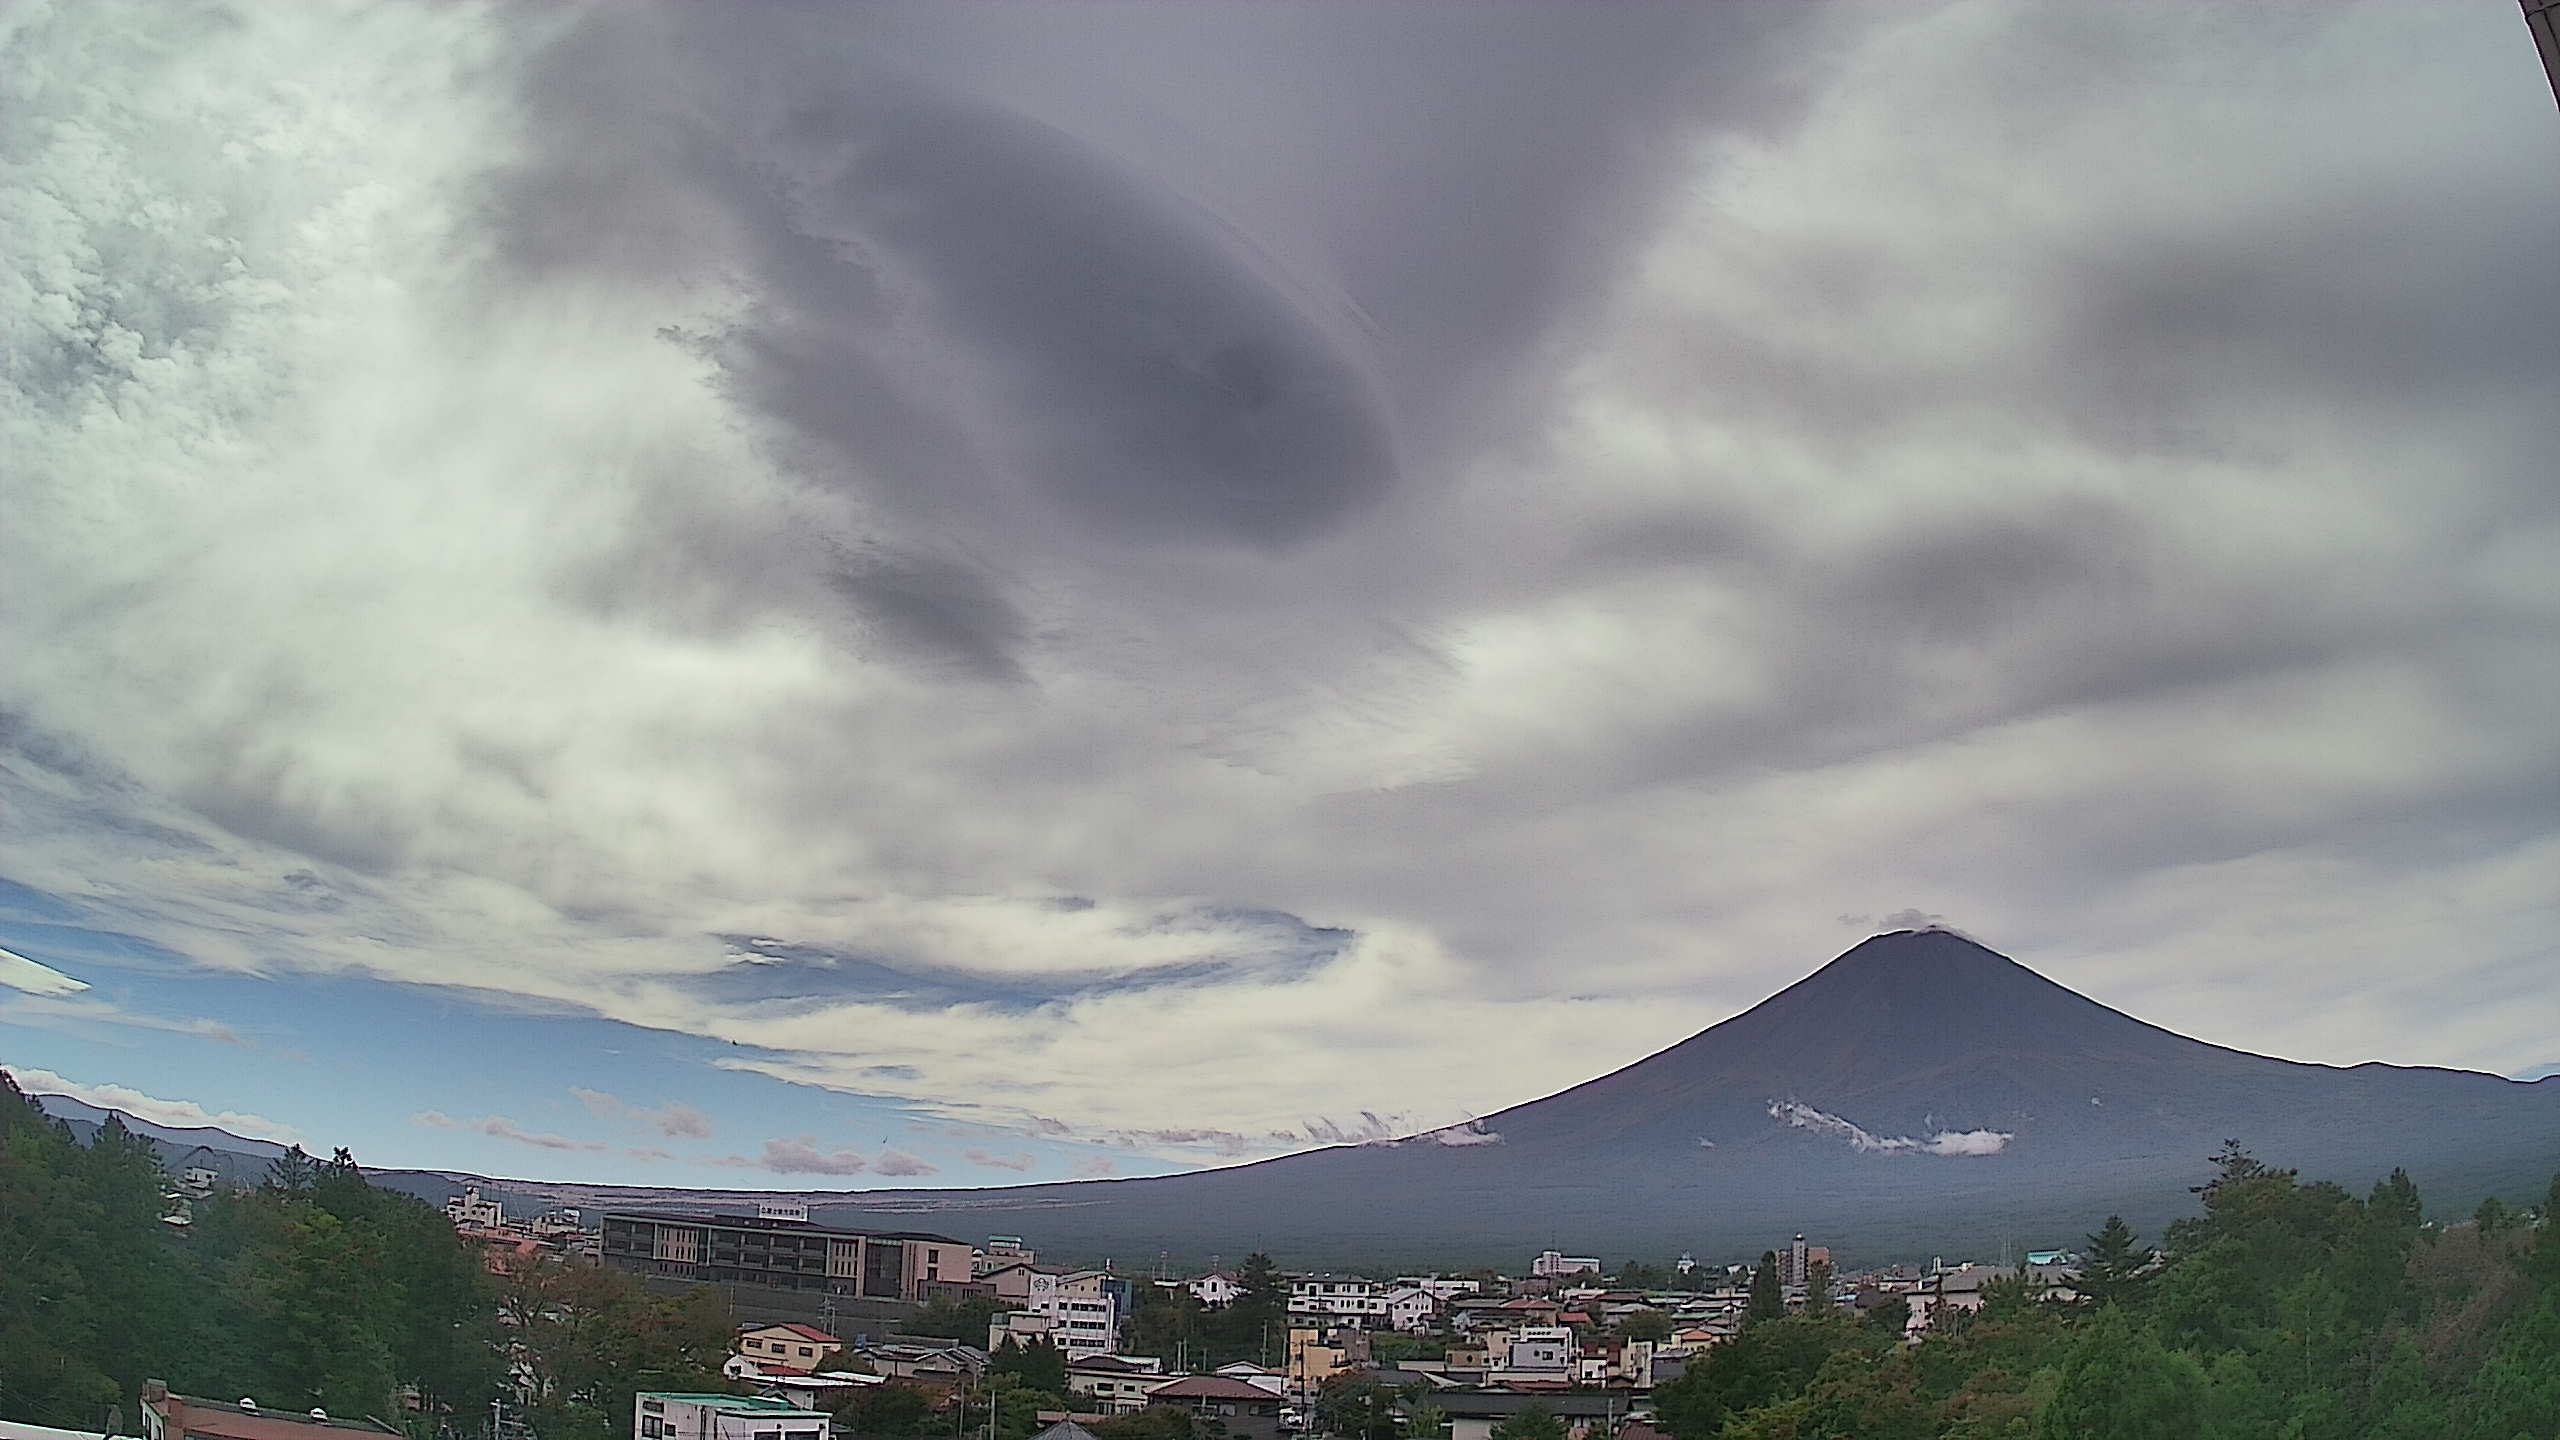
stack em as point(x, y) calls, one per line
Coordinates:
point(793, 1347)
point(1245, 1412)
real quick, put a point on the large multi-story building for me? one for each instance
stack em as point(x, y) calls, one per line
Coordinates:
point(787, 1254)
point(1555, 1265)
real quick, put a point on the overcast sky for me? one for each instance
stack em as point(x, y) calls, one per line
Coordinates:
point(809, 594)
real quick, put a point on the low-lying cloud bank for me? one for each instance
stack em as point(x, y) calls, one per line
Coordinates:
point(1945, 1142)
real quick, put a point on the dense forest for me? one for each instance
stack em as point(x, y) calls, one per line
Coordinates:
point(316, 1289)
point(2285, 1311)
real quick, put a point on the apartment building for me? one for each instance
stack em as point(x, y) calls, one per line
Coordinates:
point(786, 1254)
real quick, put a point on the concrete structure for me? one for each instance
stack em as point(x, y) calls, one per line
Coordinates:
point(786, 1254)
point(1552, 1264)
point(1001, 1251)
point(1084, 1311)
point(675, 1415)
point(468, 1209)
point(186, 1417)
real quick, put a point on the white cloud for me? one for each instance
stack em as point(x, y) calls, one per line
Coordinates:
point(178, 1114)
point(1944, 1142)
point(989, 1160)
point(17, 972)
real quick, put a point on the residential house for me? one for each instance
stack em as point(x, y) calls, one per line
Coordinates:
point(167, 1416)
point(1242, 1411)
point(1339, 1299)
point(1117, 1383)
point(1472, 1414)
point(1317, 1354)
point(1022, 1327)
point(816, 1392)
point(1408, 1307)
point(676, 1415)
point(1217, 1289)
point(791, 1348)
point(1540, 1350)
point(1252, 1374)
point(932, 1364)
point(1443, 1289)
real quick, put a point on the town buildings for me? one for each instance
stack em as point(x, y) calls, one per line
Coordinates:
point(787, 1254)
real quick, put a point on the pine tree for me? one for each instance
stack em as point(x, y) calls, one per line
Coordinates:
point(1768, 1301)
point(1817, 1286)
point(2111, 1273)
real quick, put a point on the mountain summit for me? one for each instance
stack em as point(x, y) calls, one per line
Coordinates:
point(1921, 1094)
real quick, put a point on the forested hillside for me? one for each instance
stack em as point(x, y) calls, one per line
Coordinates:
point(313, 1289)
point(2286, 1311)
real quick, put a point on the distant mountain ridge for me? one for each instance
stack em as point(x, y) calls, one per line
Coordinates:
point(1918, 1095)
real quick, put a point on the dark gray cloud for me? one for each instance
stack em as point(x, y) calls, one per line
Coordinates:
point(1551, 503)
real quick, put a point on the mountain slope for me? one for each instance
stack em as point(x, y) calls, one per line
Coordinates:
point(1918, 1093)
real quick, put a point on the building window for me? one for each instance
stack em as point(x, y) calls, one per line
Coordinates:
point(651, 1427)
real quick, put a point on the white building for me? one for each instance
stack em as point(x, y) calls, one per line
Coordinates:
point(1408, 1307)
point(1543, 1348)
point(1338, 1298)
point(1442, 1289)
point(1554, 1264)
point(658, 1415)
point(1117, 1383)
point(468, 1209)
point(1083, 1317)
point(1217, 1289)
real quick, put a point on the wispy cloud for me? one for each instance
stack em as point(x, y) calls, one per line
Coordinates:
point(178, 1114)
point(988, 1159)
point(801, 1156)
point(499, 1127)
point(673, 1118)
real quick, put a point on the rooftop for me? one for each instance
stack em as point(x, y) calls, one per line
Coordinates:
point(738, 1404)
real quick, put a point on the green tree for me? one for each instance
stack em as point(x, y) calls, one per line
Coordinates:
point(1768, 1362)
point(1645, 1325)
point(891, 1410)
point(1533, 1421)
point(1817, 1285)
point(2493, 1215)
point(1768, 1300)
point(2110, 1272)
point(1040, 1365)
point(1355, 1406)
point(965, 1320)
point(1256, 1323)
point(2120, 1383)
